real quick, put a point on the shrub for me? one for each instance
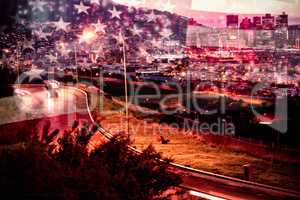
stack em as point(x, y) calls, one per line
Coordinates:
point(64, 168)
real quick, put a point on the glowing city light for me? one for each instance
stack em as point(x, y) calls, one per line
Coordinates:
point(87, 36)
point(62, 45)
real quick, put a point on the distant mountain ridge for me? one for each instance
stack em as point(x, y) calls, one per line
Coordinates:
point(212, 19)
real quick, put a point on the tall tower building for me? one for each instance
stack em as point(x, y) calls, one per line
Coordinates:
point(282, 20)
point(281, 32)
point(268, 22)
point(294, 36)
point(257, 22)
point(232, 21)
point(246, 23)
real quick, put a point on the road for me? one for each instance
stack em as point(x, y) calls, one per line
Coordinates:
point(33, 107)
point(71, 105)
point(227, 189)
point(247, 99)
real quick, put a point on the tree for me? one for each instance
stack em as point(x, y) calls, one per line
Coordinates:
point(66, 168)
point(7, 77)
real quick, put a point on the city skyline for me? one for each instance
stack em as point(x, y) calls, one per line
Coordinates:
point(214, 12)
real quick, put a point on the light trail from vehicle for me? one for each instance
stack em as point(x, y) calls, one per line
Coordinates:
point(205, 196)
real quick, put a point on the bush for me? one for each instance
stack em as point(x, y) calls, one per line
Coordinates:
point(7, 78)
point(65, 169)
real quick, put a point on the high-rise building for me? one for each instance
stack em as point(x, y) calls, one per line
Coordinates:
point(246, 23)
point(282, 20)
point(268, 22)
point(257, 22)
point(281, 32)
point(281, 37)
point(264, 39)
point(194, 34)
point(294, 36)
point(232, 21)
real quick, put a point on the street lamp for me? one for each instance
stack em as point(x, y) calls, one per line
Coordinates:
point(18, 62)
point(125, 81)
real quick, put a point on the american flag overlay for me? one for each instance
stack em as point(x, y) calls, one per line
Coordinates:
point(43, 27)
point(149, 99)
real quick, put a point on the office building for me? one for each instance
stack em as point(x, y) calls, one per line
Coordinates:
point(246, 23)
point(282, 20)
point(268, 22)
point(232, 21)
point(257, 22)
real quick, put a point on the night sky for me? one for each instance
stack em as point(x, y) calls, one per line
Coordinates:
point(7, 11)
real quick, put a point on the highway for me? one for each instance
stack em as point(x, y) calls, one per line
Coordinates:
point(222, 187)
point(202, 184)
point(34, 105)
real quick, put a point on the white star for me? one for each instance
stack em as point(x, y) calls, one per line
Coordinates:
point(166, 6)
point(28, 44)
point(115, 13)
point(166, 33)
point(52, 58)
point(81, 8)
point(136, 31)
point(38, 5)
point(95, 2)
point(34, 74)
point(99, 27)
point(61, 25)
point(41, 34)
point(151, 17)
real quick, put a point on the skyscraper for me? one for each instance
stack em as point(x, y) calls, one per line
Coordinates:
point(232, 21)
point(246, 23)
point(294, 36)
point(281, 32)
point(268, 22)
point(282, 20)
point(257, 22)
